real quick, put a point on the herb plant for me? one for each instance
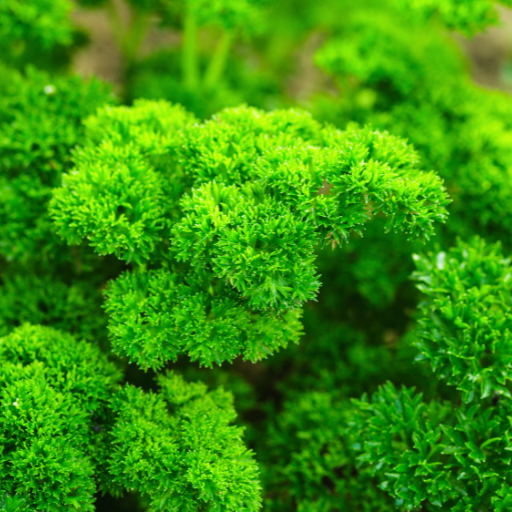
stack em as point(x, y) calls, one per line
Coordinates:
point(220, 294)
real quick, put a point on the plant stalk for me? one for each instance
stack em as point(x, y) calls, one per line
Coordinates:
point(218, 61)
point(190, 66)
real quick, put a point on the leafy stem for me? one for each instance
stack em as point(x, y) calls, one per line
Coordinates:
point(190, 66)
point(218, 60)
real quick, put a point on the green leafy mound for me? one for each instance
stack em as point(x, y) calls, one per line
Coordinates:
point(454, 455)
point(223, 219)
point(40, 123)
point(55, 395)
point(465, 331)
point(179, 448)
point(68, 430)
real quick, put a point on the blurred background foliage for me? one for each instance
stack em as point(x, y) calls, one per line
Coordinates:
point(432, 71)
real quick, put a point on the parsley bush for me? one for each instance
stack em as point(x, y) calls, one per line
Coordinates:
point(217, 295)
point(231, 245)
point(453, 455)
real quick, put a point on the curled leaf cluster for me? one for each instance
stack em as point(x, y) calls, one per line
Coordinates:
point(222, 219)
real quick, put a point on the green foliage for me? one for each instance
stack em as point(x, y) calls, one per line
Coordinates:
point(228, 14)
point(335, 357)
point(312, 433)
point(441, 454)
point(40, 122)
point(435, 454)
point(385, 76)
point(434, 104)
point(68, 430)
point(54, 392)
point(211, 240)
point(40, 280)
point(118, 201)
point(119, 208)
point(157, 315)
point(468, 17)
point(49, 300)
point(465, 327)
point(44, 21)
point(179, 448)
point(317, 466)
point(231, 210)
point(387, 60)
point(159, 77)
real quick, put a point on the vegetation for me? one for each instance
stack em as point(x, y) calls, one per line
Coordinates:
point(217, 295)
